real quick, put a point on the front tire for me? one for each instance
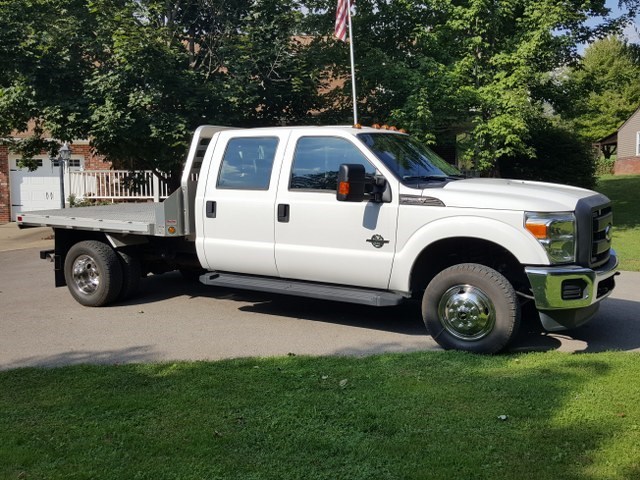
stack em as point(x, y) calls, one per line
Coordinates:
point(93, 273)
point(471, 307)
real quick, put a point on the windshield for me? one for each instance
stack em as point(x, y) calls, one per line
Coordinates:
point(411, 162)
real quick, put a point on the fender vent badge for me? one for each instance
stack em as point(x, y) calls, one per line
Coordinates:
point(377, 241)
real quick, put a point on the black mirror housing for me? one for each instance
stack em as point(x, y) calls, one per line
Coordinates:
point(351, 183)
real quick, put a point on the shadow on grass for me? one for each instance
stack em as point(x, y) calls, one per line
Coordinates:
point(81, 357)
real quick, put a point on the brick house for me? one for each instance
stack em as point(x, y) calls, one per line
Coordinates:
point(40, 189)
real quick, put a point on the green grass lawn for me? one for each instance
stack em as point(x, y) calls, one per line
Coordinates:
point(624, 191)
point(438, 415)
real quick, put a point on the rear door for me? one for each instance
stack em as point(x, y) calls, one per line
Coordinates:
point(238, 213)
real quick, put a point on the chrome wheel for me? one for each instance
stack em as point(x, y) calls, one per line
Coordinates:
point(93, 273)
point(86, 275)
point(471, 307)
point(466, 312)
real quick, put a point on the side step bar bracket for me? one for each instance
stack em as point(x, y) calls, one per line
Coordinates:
point(362, 296)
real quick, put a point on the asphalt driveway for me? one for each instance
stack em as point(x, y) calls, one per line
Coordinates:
point(172, 320)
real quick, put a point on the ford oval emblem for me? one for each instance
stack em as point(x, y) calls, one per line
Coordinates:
point(608, 232)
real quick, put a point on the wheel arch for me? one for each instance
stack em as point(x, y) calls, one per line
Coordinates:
point(447, 252)
point(462, 239)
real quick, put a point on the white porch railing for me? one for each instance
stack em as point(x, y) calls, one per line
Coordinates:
point(114, 185)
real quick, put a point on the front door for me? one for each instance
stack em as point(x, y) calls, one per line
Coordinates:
point(322, 239)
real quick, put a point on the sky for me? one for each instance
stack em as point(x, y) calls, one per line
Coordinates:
point(631, 32)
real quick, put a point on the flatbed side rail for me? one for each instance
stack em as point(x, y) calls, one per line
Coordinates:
point(134, 218)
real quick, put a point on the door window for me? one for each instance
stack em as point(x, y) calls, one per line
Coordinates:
point(317, 160)
point(247, 163)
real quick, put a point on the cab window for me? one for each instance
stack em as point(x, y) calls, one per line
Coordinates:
point(247, 163)
point(317, 160)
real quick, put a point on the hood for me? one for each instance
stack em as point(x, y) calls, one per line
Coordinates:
point(502, 194)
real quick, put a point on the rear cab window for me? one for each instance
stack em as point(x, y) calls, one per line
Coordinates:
point(247, 163)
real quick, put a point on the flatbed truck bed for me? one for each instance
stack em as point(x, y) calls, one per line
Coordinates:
point(151, 218)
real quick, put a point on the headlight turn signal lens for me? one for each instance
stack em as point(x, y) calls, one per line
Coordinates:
point(556, 232)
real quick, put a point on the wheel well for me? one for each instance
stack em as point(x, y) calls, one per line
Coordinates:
point(157, 254)
point(452, 251)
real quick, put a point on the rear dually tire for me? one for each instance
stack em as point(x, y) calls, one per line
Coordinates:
point(93, 273)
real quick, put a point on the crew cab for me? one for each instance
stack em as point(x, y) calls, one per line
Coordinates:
point(354, 214)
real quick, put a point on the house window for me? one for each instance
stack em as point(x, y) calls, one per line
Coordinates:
point(637, 144)
point(37, 162)
point(71, 163)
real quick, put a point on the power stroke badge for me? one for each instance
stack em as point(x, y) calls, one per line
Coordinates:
point(377, 241)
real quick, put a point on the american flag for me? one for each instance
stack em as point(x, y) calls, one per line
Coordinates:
point(342, 14)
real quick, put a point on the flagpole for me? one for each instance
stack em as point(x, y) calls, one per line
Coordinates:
point(353, 68)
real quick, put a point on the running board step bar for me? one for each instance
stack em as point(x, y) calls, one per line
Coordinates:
point(362, 296)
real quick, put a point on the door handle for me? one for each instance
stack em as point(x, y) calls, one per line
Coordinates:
point(283, 213)
point(211, 209)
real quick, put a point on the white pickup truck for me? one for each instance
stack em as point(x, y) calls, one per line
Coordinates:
point(361, 215)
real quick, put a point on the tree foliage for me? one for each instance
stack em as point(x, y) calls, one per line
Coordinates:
point(481, 70)
point(137, 76)
point(559, 156)
point(45, 56)
point(605, 87)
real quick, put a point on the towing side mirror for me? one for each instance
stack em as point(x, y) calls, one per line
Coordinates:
point(351, 183)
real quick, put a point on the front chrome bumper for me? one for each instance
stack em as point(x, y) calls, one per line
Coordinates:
point(565, 287)
point(568, 296)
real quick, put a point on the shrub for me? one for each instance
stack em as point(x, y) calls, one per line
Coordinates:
point(560, 157)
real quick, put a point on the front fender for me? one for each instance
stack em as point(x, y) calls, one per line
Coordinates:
point(523, 246)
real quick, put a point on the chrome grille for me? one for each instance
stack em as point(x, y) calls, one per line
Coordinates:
point(601, 225)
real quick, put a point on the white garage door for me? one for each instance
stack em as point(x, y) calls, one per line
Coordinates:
point(40, 189)
point(37, 190)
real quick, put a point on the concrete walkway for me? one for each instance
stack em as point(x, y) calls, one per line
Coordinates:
point(14, 238)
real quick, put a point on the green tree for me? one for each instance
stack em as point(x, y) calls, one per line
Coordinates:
point(604, 86)
point(145, 100)
point(559, 156)
point(46, 53)
point(481, 70)
point(137, 76)
point(500, 55)
point(274, 77)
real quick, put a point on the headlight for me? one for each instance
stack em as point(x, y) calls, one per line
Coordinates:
point(556, 232)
